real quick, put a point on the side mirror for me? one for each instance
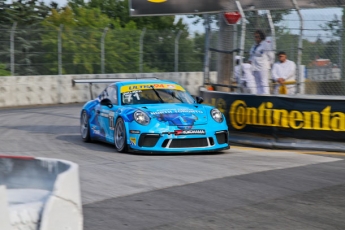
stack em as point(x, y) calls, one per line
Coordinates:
point(199, 100)
point(107, 102)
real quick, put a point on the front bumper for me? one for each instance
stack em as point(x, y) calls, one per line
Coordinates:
point(211, 141)
point(178, 151)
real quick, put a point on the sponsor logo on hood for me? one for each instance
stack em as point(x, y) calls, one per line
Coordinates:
point(173, 111)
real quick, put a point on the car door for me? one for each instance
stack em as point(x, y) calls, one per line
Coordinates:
point(106, 114)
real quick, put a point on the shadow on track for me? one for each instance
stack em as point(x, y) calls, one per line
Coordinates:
point(107, 147)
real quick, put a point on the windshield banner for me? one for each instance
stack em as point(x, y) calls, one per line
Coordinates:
point(134, 87)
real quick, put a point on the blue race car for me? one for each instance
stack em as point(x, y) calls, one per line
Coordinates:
point(153, 116)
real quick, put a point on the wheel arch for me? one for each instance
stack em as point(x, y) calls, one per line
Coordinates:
point(127, 126)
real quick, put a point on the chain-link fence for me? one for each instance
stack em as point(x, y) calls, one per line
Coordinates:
point(65, 50)
point(321, 68)
point(42, 51)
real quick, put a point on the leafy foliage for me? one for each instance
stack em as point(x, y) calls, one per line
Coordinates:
point(3, 71)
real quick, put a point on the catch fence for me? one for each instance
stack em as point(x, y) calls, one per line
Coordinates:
point(321, 48)
point(63, 50)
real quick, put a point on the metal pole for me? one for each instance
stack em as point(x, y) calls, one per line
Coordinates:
point(102, 49)
point(243, 35)
point(341, 65)
point(12, 48)
point(243, 31)
point(60, 50)
point(207, 51)
point(300, 47)
point(235, 46)
point(141, 51)
point(273, 31)
point(176, 49)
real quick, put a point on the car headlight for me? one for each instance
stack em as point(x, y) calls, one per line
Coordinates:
point(217, 115)
point(141, 117)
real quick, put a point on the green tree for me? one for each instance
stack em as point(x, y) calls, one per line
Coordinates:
point(120, 10)
point(3, 71)
point(27, 15)
point(159, 38)
point(81, 41)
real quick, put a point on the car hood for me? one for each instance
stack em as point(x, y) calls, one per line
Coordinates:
point(182, 115)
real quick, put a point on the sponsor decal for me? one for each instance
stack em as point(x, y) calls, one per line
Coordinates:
point(95, 130)
point(266, 115)
point(138, 87)
point(134, 131)
point(190, 132)
point(104, 113)
point(157, 1)
point(133, 140)
point(111, 120)
point(171, 111)
point(132, 92)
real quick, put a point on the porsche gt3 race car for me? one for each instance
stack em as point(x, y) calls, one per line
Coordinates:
point(153, 116)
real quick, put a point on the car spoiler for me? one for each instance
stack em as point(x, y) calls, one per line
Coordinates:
point(106, 80)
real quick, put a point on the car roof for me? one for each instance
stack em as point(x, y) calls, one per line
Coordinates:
point(142, 81)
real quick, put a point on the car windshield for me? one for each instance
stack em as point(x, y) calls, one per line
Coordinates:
point(153, 95)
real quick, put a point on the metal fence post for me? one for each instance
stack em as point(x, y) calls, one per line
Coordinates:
point(60, 50)
point(176, 49)
point(141, 48)
point(102, 49)
point(273, 30)
point(300, 47)
point(234, 54)
point(243, 36)
point(12, 48)
point(341, 53)
point(207, 50)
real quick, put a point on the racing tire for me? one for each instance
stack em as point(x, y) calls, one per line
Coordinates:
point(85, 127)
point(120, 137)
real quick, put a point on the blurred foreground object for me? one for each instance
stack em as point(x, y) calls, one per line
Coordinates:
point(39, 194)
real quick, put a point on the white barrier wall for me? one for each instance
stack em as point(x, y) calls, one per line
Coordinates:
point(55, 89)
point(39, 194)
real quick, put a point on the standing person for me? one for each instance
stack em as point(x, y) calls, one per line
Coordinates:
point(261, 59)
point(284, 71)
point(245, 77)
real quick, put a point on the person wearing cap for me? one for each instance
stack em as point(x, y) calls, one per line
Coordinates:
point(284, 75)
point(244, 76)
point(261, 59)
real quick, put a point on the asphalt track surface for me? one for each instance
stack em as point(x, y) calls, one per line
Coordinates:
point(242, 188)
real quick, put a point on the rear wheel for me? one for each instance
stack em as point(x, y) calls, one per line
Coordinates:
point(120, 137)
point(85, 127)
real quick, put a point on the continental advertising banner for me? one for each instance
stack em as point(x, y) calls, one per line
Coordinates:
point(281, 117)
point(172, 7)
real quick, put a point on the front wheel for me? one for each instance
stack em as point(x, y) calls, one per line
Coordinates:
point(85, 127)
point(120, 137)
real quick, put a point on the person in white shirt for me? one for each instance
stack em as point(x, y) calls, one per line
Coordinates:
point(284, 71)
point(261, 59)
point(245, 77)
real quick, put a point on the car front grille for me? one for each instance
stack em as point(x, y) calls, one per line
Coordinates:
point(148, 140)
point(222, 137)
point(186, 143)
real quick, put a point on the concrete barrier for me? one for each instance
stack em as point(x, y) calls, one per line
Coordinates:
point(55, 89)
point(39, 194)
